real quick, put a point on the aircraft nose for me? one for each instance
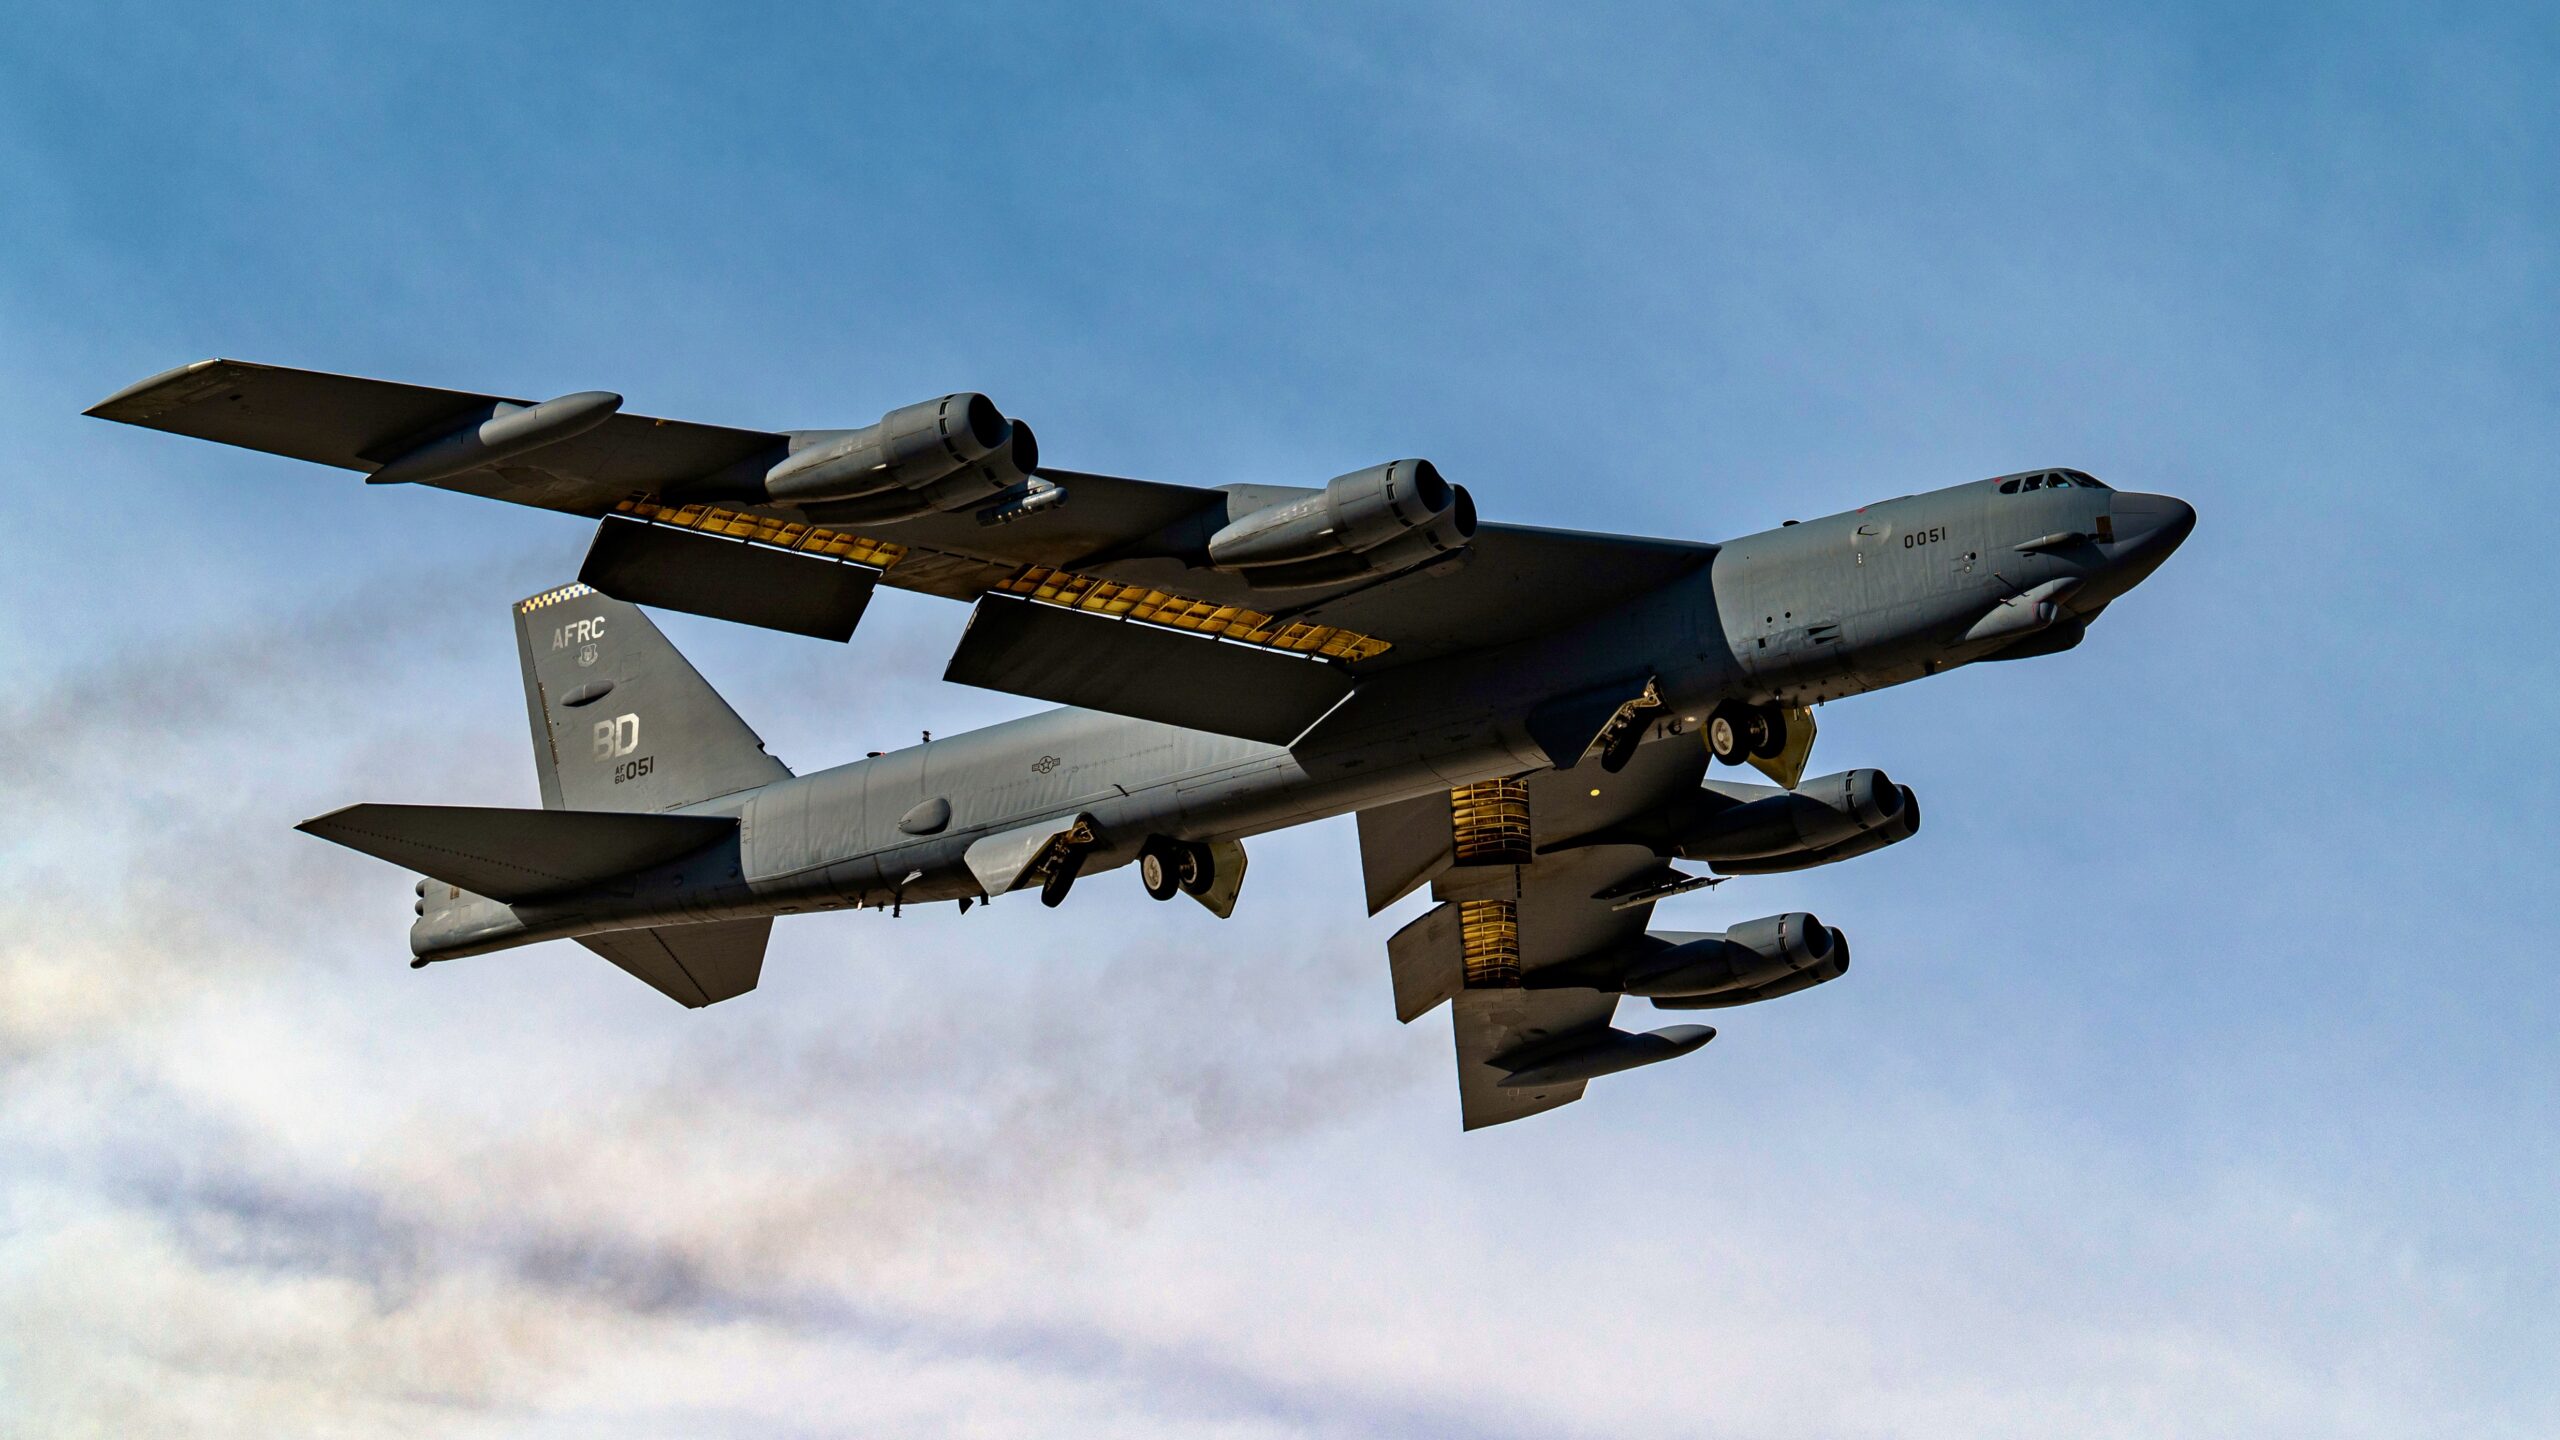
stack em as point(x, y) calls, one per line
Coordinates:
point(2148, 527)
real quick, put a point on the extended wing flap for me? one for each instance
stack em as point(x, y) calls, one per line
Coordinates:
point(1402, 845)
point(728, 579)
point(1070, 657)
point(1495, 1023)
point(513, 855)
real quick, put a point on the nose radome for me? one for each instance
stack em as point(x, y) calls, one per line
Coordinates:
point(2153, 525)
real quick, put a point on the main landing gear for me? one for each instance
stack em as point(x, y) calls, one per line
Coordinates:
point(1062, 878)
point(1169, 867)
point(1737, 732)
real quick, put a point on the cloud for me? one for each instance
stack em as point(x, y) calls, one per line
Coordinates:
point(303, 1232)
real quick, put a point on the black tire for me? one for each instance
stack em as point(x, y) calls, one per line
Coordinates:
point(1053, 891)
point(1769, 738)
point(1196, 871)
point(1729, 733)
point(1160, 870)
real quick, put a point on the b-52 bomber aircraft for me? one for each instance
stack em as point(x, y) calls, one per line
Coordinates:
point(1524, 719)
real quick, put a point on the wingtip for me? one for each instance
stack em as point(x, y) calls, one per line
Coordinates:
point(315, 825)
point(123, 404)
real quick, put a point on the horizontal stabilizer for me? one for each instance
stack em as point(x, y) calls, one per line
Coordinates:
point(1146, 672)
point(513, 855)
point(728, 579)
point(693, 965)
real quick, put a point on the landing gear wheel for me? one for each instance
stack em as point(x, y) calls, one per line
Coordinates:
point(1160, 869)
point(1053, 891)
point(1729, 732)
point(1195, 870)
point(1767, 732)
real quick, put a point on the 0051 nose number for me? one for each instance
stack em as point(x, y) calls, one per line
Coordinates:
point(1930, 536)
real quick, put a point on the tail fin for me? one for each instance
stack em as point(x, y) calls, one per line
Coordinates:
point(620, 720)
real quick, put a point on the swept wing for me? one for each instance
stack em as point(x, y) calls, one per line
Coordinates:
point(1112, 548)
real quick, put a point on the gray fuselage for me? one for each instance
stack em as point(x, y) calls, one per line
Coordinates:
point(1796, 615)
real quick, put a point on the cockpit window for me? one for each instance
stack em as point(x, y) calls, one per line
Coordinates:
point(2050, 480)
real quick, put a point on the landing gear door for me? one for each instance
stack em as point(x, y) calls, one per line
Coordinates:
point(1226, 861)
point(1011, 858)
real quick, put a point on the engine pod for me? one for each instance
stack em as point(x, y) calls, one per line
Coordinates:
point(1403, 507)
point(912, 446)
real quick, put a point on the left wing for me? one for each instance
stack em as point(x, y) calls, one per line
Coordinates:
point(680, 526)
point(1526, 916)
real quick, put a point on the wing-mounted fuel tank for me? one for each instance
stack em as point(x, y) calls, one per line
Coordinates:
point(1370, 522)
point(1760, 829)
point(497, 432)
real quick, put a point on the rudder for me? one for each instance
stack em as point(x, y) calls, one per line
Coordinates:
point(621, 720)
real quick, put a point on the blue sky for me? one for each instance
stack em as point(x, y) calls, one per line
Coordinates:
point(2196, 1074)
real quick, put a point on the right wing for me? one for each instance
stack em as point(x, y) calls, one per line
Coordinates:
point(1522, 912)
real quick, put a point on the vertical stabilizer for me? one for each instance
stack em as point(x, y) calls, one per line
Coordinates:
point(621, 721)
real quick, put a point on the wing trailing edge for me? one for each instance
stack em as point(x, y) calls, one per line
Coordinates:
point(1146, 672)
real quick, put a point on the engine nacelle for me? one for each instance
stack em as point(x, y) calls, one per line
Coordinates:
point(1805, 979)
point(1371, 521)
point(1900, 828)
point(1816, 815)
point(981, 481)
point(910, 448)
point(1752, 955)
